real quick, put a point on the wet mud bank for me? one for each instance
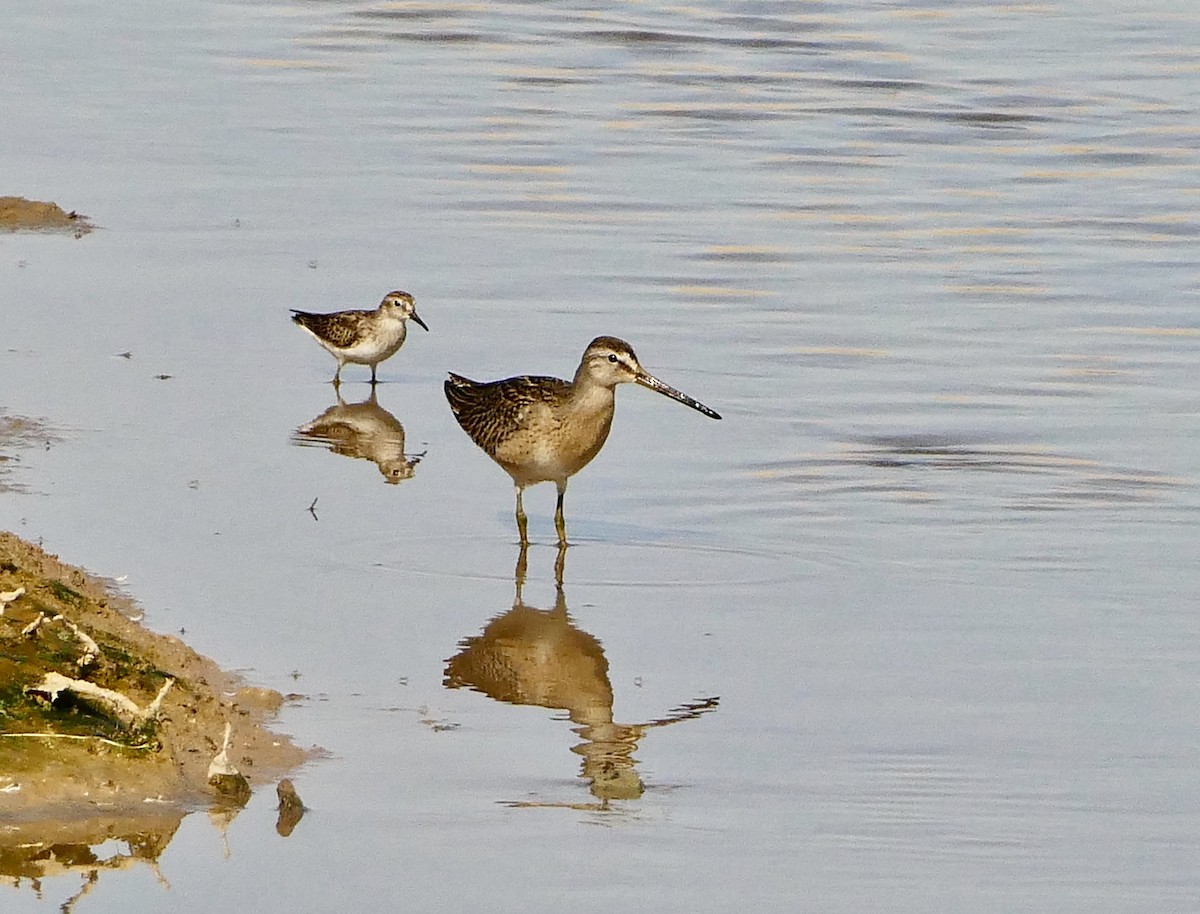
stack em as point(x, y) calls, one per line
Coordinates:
point(108, 730)
point(20, 215)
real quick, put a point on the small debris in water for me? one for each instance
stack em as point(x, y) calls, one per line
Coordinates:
point(291, 809)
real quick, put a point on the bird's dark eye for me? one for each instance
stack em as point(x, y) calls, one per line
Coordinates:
point(612, 357)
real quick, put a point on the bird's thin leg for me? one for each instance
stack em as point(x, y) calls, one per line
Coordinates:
point(337, 376)
point(373, 381)
point(559, 523)
point(522, 520)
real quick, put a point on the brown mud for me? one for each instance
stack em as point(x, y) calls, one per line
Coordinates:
point(76, 772)
point(20, 215)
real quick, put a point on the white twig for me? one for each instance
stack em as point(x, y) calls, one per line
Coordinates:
point(91, 650)
point(99, 739)
point(151, 711)
point(8, 596)
point(120, 707)
point(29, 630)
point(220, 765)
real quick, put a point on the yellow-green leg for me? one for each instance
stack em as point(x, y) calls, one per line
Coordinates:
point(522, 520)
point(559, 523)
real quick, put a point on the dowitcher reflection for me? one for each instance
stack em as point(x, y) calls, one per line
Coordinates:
point(542, 429)
point(362, 337)
point(530, 656)
point(364, 430)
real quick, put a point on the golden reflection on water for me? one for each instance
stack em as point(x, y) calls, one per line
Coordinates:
point(364, 431)
point(531, 656)
point(19, 432)
point(36, 851)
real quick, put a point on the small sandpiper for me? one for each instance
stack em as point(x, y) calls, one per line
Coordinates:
point(546, 430)
point(362, 337)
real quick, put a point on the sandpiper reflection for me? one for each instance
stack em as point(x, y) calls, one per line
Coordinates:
point(365, 430)
point(531, 656)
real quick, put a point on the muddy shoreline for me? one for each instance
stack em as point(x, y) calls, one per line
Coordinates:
point(109, 730)
point(18, 214)
point(72, 774)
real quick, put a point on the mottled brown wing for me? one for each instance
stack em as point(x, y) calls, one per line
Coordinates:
point(340, 328)
point(491, 412)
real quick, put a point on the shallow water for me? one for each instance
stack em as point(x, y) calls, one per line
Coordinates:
point(918, 611)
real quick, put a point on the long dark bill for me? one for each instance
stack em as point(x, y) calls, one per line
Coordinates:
point(416, 317)
point(648, 380)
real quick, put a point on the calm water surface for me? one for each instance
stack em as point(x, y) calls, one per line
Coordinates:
point(913, 629)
